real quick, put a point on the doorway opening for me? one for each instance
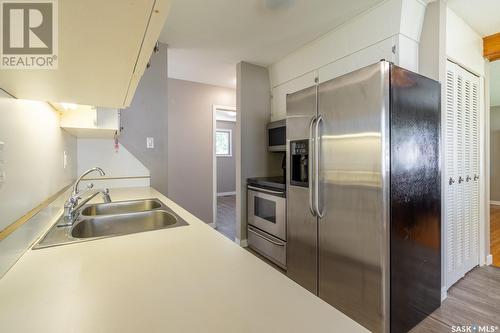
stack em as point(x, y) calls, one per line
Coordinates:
point(224, 174)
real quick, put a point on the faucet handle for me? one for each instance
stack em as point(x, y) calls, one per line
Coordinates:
point(105, 195)
point(90, 186)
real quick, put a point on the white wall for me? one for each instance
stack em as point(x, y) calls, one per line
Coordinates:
point(463, 44)
point(33, 164)
point(116, 164)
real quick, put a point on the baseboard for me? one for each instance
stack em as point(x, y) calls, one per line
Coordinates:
point(444, 293)
point(241, 242)
point(224, 194)
point(489, 259)
point(211, 224)
point(496, 203)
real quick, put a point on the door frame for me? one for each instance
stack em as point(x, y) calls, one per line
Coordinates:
point(215, 108)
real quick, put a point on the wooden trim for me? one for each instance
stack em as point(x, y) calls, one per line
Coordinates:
point(491, 47)
point(25, 218)
point(112, 178)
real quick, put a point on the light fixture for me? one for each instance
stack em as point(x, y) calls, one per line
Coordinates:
point(69, 106)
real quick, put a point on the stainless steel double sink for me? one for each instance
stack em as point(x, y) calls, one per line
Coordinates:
point(112, 219)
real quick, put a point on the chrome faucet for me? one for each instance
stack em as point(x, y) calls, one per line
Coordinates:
point(72, 205)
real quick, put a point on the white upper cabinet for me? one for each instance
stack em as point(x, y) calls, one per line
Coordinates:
point(86, 121)
point(278, 105)
point(103, 49)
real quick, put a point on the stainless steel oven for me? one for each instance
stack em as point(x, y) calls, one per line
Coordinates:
point(267, 210)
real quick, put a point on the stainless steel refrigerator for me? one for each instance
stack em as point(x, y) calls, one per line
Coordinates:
point(363, 189)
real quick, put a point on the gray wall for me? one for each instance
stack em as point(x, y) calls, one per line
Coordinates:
point(147, 117)
point(253, 103)
point(226, 166)
point(495, 153)
point(190, 143)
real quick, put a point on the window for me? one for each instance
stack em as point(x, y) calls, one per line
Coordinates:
point(223, 142)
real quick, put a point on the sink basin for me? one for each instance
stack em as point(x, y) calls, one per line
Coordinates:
point(112, 219)
point(121, 207)
point(123, 224)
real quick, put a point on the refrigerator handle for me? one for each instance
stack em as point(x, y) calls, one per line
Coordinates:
point(310, 167)
point(317, 151)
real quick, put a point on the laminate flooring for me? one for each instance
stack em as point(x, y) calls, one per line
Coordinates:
point(473, 301)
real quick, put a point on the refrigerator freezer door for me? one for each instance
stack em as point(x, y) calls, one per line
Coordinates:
point(301, 224)
point(415, 198)
point(353, 234)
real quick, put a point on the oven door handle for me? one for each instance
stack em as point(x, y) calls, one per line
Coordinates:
point(264, 190)
point(265, 238)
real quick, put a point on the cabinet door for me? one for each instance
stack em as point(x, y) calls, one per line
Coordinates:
point(450, 152)
point(278, 106)
point(462, 172)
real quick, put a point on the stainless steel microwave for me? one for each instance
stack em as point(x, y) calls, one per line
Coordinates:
point(276, 136)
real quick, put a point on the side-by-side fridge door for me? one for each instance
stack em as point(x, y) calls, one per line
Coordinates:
point(301, 223)
point(353, 194)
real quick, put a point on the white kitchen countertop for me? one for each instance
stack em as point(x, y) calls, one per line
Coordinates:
point(185, 279)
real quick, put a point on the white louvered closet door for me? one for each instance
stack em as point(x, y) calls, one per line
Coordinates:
point(461, 172)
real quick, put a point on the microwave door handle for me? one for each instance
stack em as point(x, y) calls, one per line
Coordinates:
point(317, 151)
point(311, 165)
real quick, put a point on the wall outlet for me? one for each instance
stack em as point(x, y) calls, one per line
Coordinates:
point(150, 143)
point(65, 159)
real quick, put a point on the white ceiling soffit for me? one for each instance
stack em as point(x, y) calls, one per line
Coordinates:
point(481, 15)
point(208, 38)
point(495, 83)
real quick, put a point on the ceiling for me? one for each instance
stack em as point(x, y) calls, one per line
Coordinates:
point(208, 38)
point(481, 15)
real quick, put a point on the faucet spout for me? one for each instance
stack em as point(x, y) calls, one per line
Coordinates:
point(75, 187)
point(72, 205)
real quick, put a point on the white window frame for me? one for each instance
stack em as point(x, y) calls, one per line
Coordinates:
point(230, 132)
